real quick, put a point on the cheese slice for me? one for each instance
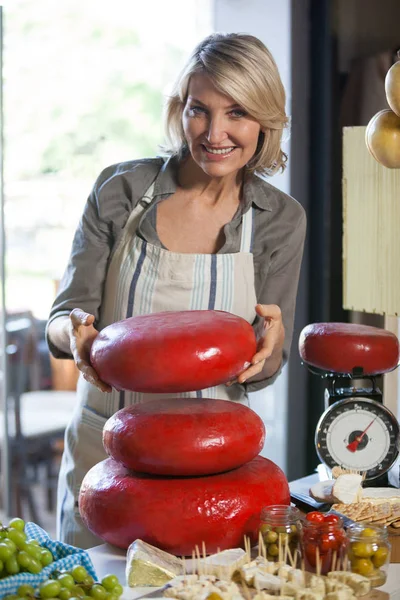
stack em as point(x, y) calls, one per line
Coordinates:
point(223, 564)
point(150, 566)
point(347, 488)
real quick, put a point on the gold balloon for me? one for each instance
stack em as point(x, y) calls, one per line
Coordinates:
point(383, 138)
point(392, 87)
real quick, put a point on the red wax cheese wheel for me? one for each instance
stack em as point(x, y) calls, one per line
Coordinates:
point(342, 347)
point(172, 352)
point(178, 436)
point(175, 514)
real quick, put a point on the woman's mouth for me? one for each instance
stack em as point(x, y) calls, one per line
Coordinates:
point(218, 153)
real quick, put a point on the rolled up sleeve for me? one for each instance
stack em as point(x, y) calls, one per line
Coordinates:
point(279, 286)
point(83, 281)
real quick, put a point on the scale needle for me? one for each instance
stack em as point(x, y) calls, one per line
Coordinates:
point(353, 446)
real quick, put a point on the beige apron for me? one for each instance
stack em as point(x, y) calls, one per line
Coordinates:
point(144, 279)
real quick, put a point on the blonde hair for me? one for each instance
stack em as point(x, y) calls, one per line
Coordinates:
point(239, 66)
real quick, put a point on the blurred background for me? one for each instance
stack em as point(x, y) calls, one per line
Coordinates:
point(83, 86)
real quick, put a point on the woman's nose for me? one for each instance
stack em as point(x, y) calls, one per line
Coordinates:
point(216, 131)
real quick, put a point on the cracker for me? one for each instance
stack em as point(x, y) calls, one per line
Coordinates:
point(381, 511)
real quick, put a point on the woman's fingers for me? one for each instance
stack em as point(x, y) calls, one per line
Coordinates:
point(79, 317)
point(91, 376)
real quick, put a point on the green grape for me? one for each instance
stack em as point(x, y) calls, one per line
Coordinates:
point(88, 581)
point(17, 524)
point(3, 533)
point(33, 550)
point(25, 590)
point(5, 551)
point(66, 580)
point(34, 542)
point(12, 565)
point(18, 537)
point(28, 562)
point(50, 588)
point(11, 597)
point(1, 566)
point(109, 582)
point(10, 544)
point(97, 591)
point(79, 573)
point(77, 591)
point(65, 594)
point(46, 557)
point(117, 590)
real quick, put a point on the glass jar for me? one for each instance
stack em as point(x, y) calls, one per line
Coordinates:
point(323, 544)
point(280, 532)
point(368, 551)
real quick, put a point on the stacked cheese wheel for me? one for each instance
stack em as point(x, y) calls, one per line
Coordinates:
point(182, 471)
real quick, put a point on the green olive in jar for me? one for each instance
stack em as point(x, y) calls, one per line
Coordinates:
point(379, 557)
point(363, 566)
point(362, 549)
point(273, 550)
point(265, 528)
point(270, 537)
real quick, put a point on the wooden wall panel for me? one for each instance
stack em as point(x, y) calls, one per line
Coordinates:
point(371, 229)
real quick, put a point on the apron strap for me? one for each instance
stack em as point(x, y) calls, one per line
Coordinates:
point(247, 235)
point(147, 197)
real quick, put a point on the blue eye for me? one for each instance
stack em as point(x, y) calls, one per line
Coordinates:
point(238, 112)
point(197, 110)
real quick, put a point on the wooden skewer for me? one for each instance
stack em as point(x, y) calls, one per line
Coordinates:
point(290, 556)
point(285, 556)
point(203, 549)
point(334, 558)
point(246, 592)
point(194, 563)
point(260, 542)
point(247, 547)
point(199, 569)
point(318, 561)
point(345, 562)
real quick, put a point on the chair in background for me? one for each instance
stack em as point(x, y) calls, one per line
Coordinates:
point(36, 419)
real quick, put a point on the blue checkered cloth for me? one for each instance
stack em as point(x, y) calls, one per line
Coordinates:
point(65, 558)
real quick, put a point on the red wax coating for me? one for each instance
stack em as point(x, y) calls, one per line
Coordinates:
point(173, 352)
point(342, 347)
point(175, 514)
point(184, 436)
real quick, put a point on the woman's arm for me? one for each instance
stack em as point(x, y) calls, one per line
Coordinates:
point(275, 311)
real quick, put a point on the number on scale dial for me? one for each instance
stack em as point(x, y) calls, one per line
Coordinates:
point(360, 434)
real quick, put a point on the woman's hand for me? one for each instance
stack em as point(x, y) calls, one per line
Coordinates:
point(270, 338)
point(82, 334)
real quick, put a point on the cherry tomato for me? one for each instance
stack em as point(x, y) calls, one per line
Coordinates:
point(328, 542)
point(315, 517)
point(310, 551)
point(331, 518)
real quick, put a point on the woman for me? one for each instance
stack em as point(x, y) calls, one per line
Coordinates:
point(199, 230)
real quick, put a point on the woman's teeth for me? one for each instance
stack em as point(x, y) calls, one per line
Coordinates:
point(219, 151)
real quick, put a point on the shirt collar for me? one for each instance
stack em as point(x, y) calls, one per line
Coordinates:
point(255, 190)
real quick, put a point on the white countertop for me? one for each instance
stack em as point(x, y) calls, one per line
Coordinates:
point(108, 559)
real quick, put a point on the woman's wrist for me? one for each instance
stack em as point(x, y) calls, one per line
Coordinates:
point(58, 332)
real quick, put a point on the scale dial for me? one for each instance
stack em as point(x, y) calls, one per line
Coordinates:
point(358, 434)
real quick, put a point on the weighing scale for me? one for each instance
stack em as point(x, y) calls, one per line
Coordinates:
point(357, 431)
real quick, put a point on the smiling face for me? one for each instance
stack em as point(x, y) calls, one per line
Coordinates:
point(221, 136)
